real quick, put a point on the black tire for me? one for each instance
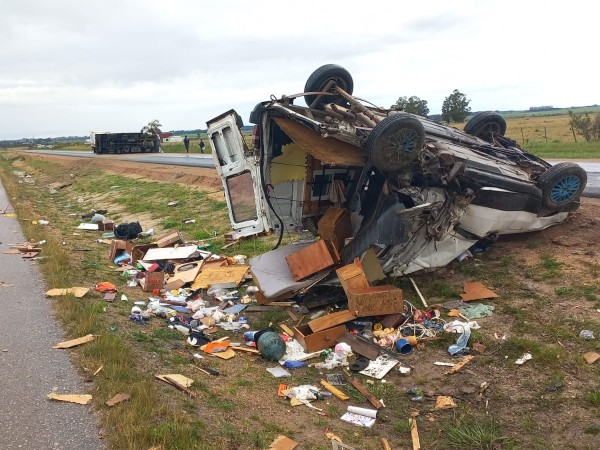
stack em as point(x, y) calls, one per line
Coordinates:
point(485, 124)
point(319, 79)
point(562, 184)
point(395, 142)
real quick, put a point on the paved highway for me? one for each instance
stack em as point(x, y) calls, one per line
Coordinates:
point(199, 160)
point(29, 367)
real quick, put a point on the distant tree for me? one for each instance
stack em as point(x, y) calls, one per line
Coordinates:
point(413, 105)
point(455, 107)
point(584, 125)
point(153, 127)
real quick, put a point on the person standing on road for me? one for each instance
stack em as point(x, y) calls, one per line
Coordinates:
point(201, 143)
point(186, 143)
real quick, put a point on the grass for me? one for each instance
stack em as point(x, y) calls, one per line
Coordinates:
point(472, 432)
point(239, 409)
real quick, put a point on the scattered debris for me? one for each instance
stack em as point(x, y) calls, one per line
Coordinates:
point(476, 291)
point(444, 402)
point(81, 399)
point(118, 399)
point(76, 291)
point(362, 417)
point(414, 434)
point(523, 359)
point(588, 335)
point(591, 357)
point(283, 443)
point(459, 365)
point(75, 342)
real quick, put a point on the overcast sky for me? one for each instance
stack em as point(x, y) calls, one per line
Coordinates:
point(68, 67)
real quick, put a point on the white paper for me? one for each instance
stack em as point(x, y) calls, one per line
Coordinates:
point(357, 419)
point(155, 254)
point(379, 367)
point(88, 226)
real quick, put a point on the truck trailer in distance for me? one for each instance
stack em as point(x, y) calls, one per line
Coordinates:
point(105, 143)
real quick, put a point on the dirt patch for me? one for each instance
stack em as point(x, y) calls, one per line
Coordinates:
point(201, 178)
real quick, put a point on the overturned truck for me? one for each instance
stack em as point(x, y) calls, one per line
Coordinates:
point(417, 192)
point(124, 143)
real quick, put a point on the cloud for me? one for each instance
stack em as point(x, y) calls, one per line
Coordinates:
point(76, 66)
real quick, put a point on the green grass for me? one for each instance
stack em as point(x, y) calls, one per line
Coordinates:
point(565, 150)
point(472, 432)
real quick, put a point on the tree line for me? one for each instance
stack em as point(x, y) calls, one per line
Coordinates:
point(454, 109)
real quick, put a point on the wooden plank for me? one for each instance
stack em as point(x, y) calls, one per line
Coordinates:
point(329, 150)
point(331, 320)
point(358, 346)
point(179, 385)
point(385, 444)
point(75, 342)
point(286, 329)
point(414, 434)
point(81, 399)
point(335, 391)
point(459, 365)
point(366, 394)
point(118, 399)
point(262, 308)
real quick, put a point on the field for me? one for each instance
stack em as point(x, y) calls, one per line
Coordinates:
point(549, 290)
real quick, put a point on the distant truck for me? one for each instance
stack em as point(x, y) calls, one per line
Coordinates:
point(119, 143)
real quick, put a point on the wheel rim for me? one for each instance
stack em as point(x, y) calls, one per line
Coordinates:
point(401, 144)
point(565, 189)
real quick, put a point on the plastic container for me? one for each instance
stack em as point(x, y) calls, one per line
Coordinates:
point(403, 346)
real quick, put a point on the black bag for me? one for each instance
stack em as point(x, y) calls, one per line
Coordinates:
point(128, 231)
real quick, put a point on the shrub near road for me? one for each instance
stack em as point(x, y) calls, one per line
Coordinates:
point(548, 286)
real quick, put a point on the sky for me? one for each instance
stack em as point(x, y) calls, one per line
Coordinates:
point(68, 67)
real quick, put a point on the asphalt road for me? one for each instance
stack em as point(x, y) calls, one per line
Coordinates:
point(199, 160)
point(29, 367)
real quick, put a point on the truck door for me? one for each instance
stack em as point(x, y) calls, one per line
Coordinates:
point(238, 168)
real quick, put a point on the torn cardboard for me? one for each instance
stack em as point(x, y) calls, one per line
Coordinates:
point(476, 291)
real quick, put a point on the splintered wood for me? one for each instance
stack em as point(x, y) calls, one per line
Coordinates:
point(75, 342)
point(459, 365)
point(81, 399)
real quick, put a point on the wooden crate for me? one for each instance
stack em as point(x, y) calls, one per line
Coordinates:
point(366, 300)
point(313, 342)
point(318, 256)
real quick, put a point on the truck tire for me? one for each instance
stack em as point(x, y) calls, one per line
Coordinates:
point(562, 184)
point(319, 79)
point(485, 124)
point(395, 142)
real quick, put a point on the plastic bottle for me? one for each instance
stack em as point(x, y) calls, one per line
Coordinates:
point(295, 364)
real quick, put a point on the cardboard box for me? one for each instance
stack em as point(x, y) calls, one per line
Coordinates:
point(366, 300)
point(335, 226)
point(137, 252)
point(118, 246)
point(313, 342)
point(152, 280)
point(106, 225)
point(168, 239)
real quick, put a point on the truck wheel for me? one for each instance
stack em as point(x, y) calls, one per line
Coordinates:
point(319, 79)
point(561, 184)
point(395, 142)
point(485, 124)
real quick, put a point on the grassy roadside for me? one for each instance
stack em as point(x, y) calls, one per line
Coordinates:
point(240, 409)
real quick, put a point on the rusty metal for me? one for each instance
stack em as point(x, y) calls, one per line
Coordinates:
point(330, 84)
point(359, 106)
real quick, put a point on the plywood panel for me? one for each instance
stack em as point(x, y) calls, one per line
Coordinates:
point(328, 150)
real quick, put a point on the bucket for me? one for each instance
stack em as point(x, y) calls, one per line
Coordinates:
point(403, 346)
